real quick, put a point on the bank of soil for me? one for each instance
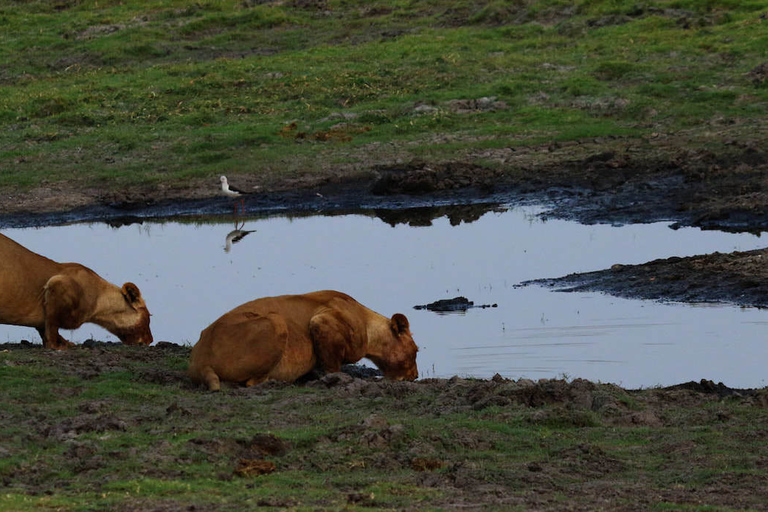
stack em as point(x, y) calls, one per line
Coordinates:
point(438, 443)
point(739, 278)
point(719, 181)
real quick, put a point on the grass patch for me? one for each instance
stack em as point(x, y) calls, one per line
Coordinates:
point(218, 81)
point(121, 427)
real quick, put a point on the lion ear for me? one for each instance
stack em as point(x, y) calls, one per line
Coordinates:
point(131, 293)
point(399, 323)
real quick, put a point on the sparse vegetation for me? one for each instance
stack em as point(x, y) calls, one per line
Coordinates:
point(110, 427)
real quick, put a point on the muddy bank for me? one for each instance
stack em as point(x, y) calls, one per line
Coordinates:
point(126, 416)
point(95, 358)
point(605, 181)
point(739, 278)
point(610, 180)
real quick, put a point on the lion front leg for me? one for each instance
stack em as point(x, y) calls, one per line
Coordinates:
point(331, 339)
point(52, 338)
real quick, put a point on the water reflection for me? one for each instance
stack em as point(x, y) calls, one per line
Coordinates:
point(392, 262)
point(235, 236)
point(424, 216)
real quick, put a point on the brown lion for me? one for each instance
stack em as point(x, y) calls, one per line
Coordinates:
point(286, 337)
point(41, 293)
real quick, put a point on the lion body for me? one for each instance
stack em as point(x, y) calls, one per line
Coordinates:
point(46, 295)
point(286, 337)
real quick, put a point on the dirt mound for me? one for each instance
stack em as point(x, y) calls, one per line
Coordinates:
point(738, 278)
point(418, 178)
point(707, 386)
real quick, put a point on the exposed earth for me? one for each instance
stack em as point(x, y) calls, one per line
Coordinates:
point(546, 445)
point(610, 180)
point(739, 278)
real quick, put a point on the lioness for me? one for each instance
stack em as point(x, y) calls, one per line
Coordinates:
point(285, 337)
point(41, 293)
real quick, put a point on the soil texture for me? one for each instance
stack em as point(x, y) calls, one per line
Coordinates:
point(739, 278)
point(590, 445)
point(612, 180)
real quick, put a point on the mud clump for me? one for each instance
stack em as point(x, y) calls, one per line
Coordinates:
point(706, 386)
point(73, 427)
point(426, 464)
point(456, 304)
point(251, 468)
point(418, 178)
point(759, 74)
point(268, 445)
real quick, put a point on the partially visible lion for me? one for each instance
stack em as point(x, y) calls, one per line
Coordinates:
point(41, 293)
point(286, 337)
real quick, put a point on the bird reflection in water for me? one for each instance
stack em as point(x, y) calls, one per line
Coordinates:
point(236, 235)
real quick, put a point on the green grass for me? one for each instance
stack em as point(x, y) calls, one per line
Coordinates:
point(129, 93)
point(98, 430)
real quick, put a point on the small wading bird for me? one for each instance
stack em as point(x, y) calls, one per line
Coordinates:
point(234, 193)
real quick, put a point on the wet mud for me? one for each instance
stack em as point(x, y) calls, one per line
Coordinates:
point(456, 304)
point(739, 278)
point(611, 181)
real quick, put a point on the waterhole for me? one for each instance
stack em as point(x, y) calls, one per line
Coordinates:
point(191, 272)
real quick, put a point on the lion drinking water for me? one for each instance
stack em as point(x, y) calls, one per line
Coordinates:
point(285, 337)
point(41, 293)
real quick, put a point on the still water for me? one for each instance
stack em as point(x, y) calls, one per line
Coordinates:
point(189, 276)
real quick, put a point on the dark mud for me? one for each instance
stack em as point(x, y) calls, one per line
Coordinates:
point(739, 278)
point(456, 304)
point(694, 188)
point(611, 181)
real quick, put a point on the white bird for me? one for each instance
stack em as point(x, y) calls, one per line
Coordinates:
point(233, 192)
point(235, 236)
